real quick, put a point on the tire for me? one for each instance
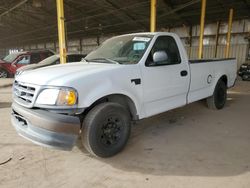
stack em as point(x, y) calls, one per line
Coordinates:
point(218, 99)
point(106, 129)
point(3, 73)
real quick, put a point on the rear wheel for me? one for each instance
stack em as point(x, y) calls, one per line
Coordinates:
point(3, 73)
point(219, 97)
point(106, 129)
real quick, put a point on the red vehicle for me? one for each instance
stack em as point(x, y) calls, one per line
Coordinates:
point(12, 62)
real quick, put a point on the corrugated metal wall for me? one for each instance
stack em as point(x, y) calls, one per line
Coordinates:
point(238, 51)
point(239, 43)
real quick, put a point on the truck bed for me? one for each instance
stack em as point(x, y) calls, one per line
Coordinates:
point(209, 60)
point(205, 74)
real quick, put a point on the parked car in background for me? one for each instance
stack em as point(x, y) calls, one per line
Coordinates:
point(244, 71)
point(52, 60)
point(13, 61)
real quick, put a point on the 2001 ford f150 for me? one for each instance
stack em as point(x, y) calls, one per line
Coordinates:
point(129, 77)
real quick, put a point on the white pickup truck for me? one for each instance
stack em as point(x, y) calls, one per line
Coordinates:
point(129, 77)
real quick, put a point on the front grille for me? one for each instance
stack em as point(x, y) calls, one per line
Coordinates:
point(24, 92)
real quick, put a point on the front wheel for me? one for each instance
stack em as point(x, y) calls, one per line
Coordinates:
point(3, 73)
point(218, 99)
point(106, 129)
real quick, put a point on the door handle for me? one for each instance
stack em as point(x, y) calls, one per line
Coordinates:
point(184, 73)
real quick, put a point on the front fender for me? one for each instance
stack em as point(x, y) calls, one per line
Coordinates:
point(95, 91)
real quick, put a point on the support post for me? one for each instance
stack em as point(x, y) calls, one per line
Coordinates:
point(202, 23)
point(229, 29)
point(217, 39)
point(61, 31)
point(153, 15)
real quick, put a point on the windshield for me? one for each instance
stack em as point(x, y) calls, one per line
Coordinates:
point(127, 49)
point(11, 57)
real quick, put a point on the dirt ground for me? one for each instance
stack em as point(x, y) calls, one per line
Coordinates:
point(188, 147)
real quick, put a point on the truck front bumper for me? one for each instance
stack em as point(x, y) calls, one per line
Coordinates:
point(46, 128)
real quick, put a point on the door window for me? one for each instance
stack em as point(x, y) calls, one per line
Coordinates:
point(75, 58)
point(24, 60)
point(35, 58)
point(168, 45)
point(71, 58)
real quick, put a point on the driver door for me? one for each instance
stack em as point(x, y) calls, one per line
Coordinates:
point(165, 83)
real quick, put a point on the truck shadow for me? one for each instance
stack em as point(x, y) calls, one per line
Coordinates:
point(189, 141)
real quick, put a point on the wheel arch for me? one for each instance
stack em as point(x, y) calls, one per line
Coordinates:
point(122, 99)
point(213, 101)
point(224, 79)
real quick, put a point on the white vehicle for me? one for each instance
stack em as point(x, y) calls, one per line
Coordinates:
point(129, 77)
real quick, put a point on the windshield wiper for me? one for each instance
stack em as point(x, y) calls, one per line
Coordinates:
point(104, 60)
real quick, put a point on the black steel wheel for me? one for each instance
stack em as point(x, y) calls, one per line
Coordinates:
point(106, 129)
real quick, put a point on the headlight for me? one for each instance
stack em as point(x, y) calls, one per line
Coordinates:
point(66, 98)
point(57, 97)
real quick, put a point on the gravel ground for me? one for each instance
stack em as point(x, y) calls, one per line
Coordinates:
point(188, 147)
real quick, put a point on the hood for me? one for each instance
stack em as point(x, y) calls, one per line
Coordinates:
point(63, 74)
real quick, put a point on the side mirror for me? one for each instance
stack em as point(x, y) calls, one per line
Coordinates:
point(160, 56)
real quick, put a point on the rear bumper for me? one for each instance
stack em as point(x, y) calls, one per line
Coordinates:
point(46, 128)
